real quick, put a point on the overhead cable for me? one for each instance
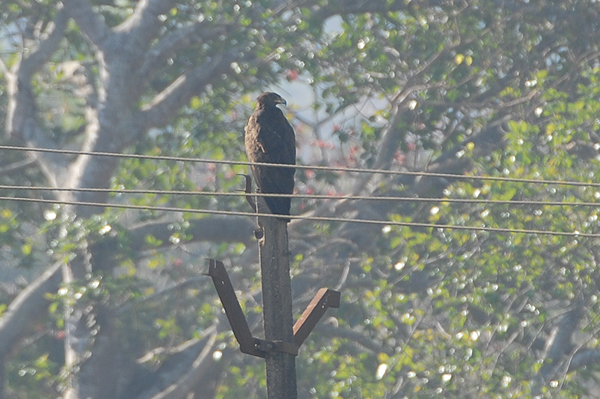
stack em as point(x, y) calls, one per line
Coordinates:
point(308, 167)
point(310, 218)
point(307, 196)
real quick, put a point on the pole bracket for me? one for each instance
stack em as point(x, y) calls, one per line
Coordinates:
point(277, 346)
point(323, 300)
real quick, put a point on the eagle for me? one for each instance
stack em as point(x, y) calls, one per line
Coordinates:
point(269, 138)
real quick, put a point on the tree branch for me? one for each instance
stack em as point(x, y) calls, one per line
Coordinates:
point(355, 336)
point(186, 383)
point(164, 106)
point(90, 23)
point(588, 357)
point(176, 41)
point(387, 148)
point(143, 25)
point(20, 118)
point(558, 344)
point(17, 166)
point(145, 17)
point(29, 305)
point(486, 141)
point(209, 229)
point(47, 47)
point(343, 7)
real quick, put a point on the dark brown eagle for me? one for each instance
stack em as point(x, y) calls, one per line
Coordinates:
point(270, 138)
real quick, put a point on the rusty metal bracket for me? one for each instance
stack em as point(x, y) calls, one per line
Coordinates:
point(233, 310)
point(323, 300)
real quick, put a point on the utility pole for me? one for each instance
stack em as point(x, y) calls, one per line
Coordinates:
point(282, 337)
point(277, 303)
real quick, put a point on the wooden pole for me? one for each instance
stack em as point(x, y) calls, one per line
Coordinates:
point(277, 304)
point(282, 338)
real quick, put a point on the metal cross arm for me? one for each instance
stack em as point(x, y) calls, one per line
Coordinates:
point(233, 310)
point(323, 300)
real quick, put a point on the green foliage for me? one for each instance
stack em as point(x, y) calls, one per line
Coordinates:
point(503, 89)
point(459, 312)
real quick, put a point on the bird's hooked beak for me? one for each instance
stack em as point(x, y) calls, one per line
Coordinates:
point(281, 101)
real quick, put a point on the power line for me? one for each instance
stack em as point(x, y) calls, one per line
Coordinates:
point(309, 167)
point(307, 196)
point(309, 218)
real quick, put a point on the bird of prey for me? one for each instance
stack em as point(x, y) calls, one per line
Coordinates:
point(270, 138)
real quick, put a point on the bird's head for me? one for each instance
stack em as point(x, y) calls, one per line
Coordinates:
point(270, 99)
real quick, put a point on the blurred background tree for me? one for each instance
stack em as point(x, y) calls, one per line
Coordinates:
point(106, 302)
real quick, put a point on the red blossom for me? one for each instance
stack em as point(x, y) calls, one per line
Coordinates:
point(323, 144)
point(400, 157)
point(292, 74)
point(309, 173)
